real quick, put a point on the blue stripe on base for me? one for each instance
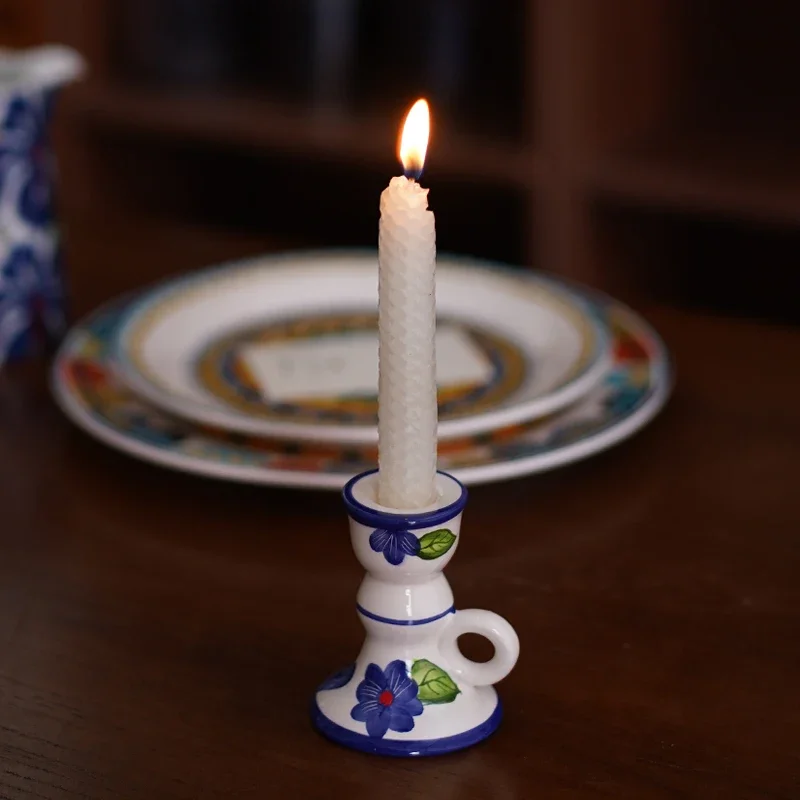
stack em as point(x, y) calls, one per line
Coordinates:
point(404, 747)
point(390, 621)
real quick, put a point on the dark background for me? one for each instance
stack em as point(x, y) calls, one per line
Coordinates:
point(155, 630)
point(648, 147)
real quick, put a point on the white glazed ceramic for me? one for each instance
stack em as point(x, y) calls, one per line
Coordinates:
point(411, 692)
point(555, 348)
point(88, 390)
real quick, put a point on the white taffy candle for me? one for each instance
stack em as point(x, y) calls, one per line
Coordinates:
point(407, 410)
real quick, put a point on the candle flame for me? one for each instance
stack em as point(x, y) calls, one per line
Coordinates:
point(414, 139)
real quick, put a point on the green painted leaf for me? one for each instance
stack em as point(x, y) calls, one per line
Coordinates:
point(436, 543)
point(435, 685)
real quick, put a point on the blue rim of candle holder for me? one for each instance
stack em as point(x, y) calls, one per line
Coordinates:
point(396, 522)
point(405, 747)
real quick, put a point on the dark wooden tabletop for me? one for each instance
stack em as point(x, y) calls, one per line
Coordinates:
point(161, 635)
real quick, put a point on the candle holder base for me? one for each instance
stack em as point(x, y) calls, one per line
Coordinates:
point(411, 692)
point(407, 746)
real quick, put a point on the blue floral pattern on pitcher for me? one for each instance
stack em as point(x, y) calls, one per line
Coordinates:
point(32, 312)
point(25, 147)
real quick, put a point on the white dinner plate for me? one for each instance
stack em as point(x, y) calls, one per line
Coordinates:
point(286, 347)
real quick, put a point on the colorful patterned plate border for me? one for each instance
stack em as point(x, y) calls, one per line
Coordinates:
point(92, 396)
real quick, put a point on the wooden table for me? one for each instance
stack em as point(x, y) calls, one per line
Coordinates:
point(160, 635)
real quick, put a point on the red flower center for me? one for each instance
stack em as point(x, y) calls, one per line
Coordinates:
point(386, 698)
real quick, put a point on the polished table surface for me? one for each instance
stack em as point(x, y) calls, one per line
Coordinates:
point(161, 635)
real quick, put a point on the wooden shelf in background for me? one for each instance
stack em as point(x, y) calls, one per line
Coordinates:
point(750, 177)
point(239, 119)
point(660, 73)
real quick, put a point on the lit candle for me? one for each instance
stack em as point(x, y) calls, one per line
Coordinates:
point(407, 411)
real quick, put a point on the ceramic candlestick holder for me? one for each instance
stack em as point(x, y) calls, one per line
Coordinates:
point(411, 692)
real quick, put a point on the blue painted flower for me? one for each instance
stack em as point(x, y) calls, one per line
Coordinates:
point(387, 700)
point(20, 274)
point(338, 679)
point(395, 545)
point(24, 144)
point(31, 291)
point(23, 125)
point(36, 196)
point(19, 301)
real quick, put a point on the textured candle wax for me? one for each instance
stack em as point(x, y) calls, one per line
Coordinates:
point(407, 416)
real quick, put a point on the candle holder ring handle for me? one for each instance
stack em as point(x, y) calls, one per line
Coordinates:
point(493, 627)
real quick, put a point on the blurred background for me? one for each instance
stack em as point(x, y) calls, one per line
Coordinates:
point(646, 147)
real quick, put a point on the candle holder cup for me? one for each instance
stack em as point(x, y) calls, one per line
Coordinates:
point(411, 692)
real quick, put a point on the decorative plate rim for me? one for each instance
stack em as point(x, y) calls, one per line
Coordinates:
point(605, 437)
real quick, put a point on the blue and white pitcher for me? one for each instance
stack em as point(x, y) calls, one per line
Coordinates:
point(31, 284)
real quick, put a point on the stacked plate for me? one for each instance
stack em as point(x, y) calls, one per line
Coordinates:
point(266, 371)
